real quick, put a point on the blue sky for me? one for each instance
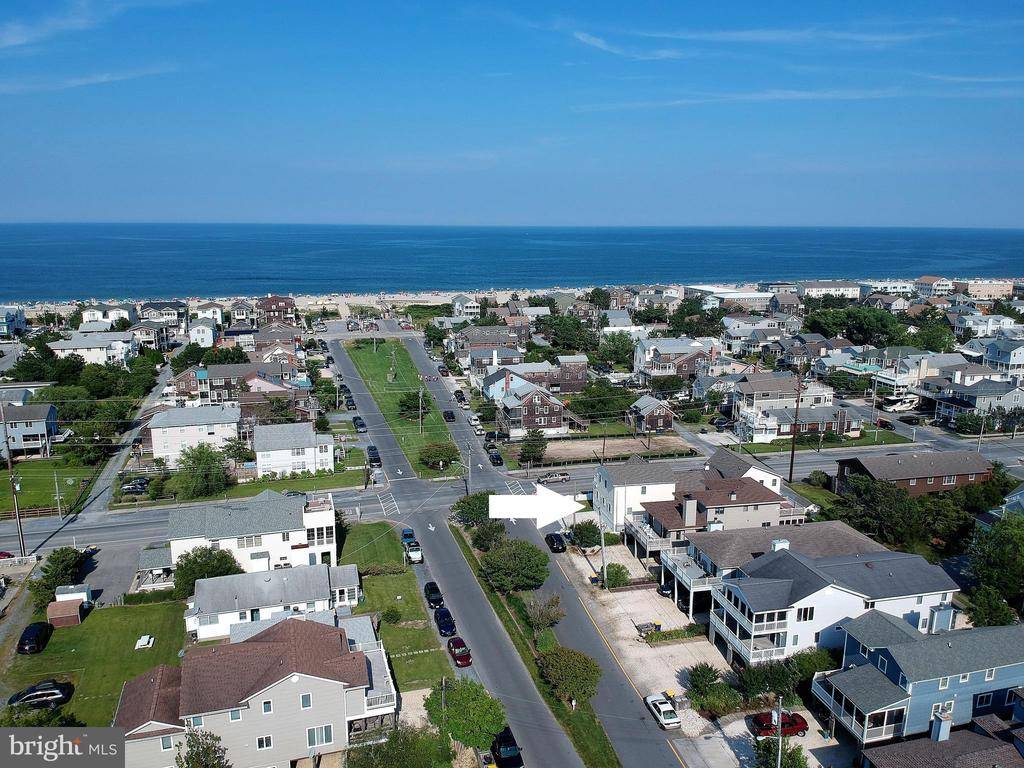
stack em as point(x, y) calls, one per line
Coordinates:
point(588, 113)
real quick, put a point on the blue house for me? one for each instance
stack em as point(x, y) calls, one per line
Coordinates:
point(895, 680)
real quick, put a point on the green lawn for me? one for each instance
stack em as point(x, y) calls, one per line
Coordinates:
point(373, 368)
point(344, 427)
point(355, 458)
point(367, 543)
point(867, 438)
point(99, 655)
point(609, 428)
point(37, 486)
point(823, 497)
point(347, 479)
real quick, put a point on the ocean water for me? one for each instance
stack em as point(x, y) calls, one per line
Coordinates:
point(66, 261)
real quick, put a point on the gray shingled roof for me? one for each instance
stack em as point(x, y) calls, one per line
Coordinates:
point(195, 416)
point(877, 629)
point(155, 558)
point(903, 466)
point(731, 549)
point(27, 412)
point(637, 471)
point(966, 748)
point(645, 404)
point(963, 650)
point(265, 589)
point(868, 688)
point(281, 437)
point(268, 512)
point(732, 465)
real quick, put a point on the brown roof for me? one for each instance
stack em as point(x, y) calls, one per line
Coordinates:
point(904, 466)
point(60, 608)
point(974, 747)
point(219, 677)
point(151, 697)
point(724, 492)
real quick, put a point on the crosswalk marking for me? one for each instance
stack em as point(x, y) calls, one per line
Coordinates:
point(388, 504)
point(515, 487)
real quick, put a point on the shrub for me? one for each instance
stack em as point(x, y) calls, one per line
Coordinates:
point(818, 479)
point(438, 455)
point(611, 539)
point(618, 576)
point(807, 663)
point(154, 596)
point(391, 615)
point(586, 534)
point(572, 675)
point(702, 677)
point(514, 565)
point(472, 510)
point(488, 535)
point(382, 569)
point(692, 415)
point(720, 699)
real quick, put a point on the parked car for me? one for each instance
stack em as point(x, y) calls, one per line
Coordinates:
point(343, 388)
point(555, 542)
point(478, 431)
point(4, 554)
point(444, 621)
point(449, 416)
point(664, 713)
point(373, 457)
point(413, 552)
point(495, 458)
point(666, 589)
point(350, 404)
point(359, 424)
point(330, 359)
point(433, 595)
point(459, 395)
point(408, 534)
point(464, 405)
point(553, 477)
point(34, 637)
point(443, 370)
point(45, 694)
point(473, 419)
point(294, 494)
point(792, 725)
point(886, 424)
point(459, 652)
point(913, 421)
point(490, 445)
point(506, 751)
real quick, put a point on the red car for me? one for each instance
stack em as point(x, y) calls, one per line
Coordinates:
point(792, 725)
point(459, 652)
point(4, 555)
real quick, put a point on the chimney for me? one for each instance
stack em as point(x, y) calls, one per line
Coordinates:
point(941, 723)
point(940, 619)
point(779, 544)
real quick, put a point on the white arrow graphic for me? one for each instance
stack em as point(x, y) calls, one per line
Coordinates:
point(544, 506)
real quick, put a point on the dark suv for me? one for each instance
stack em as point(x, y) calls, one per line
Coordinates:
point(43, 695)
point(445, 622)
point(34, 637)
point(373, 457)
point(432, 593)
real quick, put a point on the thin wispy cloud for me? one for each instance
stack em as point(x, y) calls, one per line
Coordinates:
point(657, 54)
point(37, 85)
point(769, 95)
point(978, 79)
point(793, 35)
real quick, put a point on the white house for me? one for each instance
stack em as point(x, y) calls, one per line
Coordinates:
point(621, 489)
point(464, 306)
point(983, 325)
point(816, 289)
point(895, 286)
point(930, 285)
point(211, 310)
point(109, 312)
point(174, 430)
point(101, 348)
point(220, 602)
point(284, 449)
point(730, 465)
point(203, 332)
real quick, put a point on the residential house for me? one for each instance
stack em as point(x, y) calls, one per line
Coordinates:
point(109, 312)
point(563, 301)
point(240, 335)
point(911, 370)
point(29, 429)
point(755, 301)
point(486, 337)
point(466, 307)
point(224, 382)
point(177, 429)
point(778, 286)
point(171, 313)
point(243, 313)
point(535, 313)
point(621, 298)
point(817, 289)
point(985, 289)
point(759, 398)
point(221, 602)
point(896, 682)
point(12, 321)
point(585, 312)
point(893, 286)
point(711, 555)
point(212, 311)
point(483, 358)
point(888, 302)
point(203, 332)
point(528, 406)
point(276, 309)
point(682, 357)
point(95, 326)
point(152, 334)
point(617, 318)
point(813, 423)
point(287, 449)
point(1007, 356)
point(983, 325)
point(786, 303)
point(919, 473)
point(930, 285)
point(293, 694)
point(113, 347)
point(622, 488)
point(982, 396)
point(649, 414)
point(986, 741)
point(785, 602)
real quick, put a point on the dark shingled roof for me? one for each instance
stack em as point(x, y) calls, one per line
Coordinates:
point(963, 650)
point(638, 471)
point(267, 512)
point(984, 745)
point(868, 688)
point(150, 697)
point(903, 466)
point(876, 629)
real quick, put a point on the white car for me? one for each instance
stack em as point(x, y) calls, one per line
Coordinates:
point(413, 553)
point(663, 711)
point(473, 419)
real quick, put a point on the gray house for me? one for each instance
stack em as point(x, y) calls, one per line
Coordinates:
point(894, 680)
point(982, 396)
point(30, 429)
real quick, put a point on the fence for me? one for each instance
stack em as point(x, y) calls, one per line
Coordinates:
point(610, 459)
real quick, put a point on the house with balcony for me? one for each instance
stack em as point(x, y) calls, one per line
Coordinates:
point(891, 304)
point(919, 473)
point(622, 488)
point(276, 309)
point(172, 313)
point(987, 740)
point(785, 602)
point(480, 360)
point(152, 334)
point(203, 332)
point(760, 399)
point(287, 449)
point(12, 321)
point(810, 423)
point(212, 311)
point(684, 357)
point(113, 347)
point(928, 286)
point(263, 533)
point(712, 555)
point(465, 307)
point(296, 693)
point(982, 396)
point(30, 429)
point(1006, 356)
point(221, 602)
point(110, 313)
point(528, 406)
point(982, 325)
point(817, 289)
point(896, 680)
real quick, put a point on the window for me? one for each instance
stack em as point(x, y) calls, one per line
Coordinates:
point(931, 481)
point(306, 700)
point(989, 674)
point(235, 715)
point(286, 536)
point(817, 637)
point(197, 721)
point(970, 476)
point(984, 700)
point(268, 707)
point(949, 480)
point(208, 619)
point(805, 614)
point(319, 736)
point(242, 615)
point(943, 683)
point(913, 481)
point(298, 451)
point(643, 490)
point(882, 664)
point(264, 742)
point(923, 624)
point(796, 640)
point(903, 682)
point(869, 604)
point(245, 542)
point(920, 599)
point(965, 677)
point(863, 650)
point(166, 743)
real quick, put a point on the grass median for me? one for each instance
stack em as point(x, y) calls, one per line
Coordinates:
point(373, 366)
point(582, 726)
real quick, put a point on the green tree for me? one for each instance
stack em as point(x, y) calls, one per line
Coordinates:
point(224, 356)
point(62, 567)
point(880, 509)
point(281, 411)
point(202, 563)
point(533, 447)
point(487, 411)
point(543, 614)
point(23, 717)
point(616, 348)
point(488, 534)
point(238, 449)
point(702, 676)
point(766, 754)
point(121, 324)
point(189, 355)
point(411, 405)
point(997, 557)
point(200, 472)
point(202, 749)
point(434, 336)
point(618, 576)
point(601, 400)
point(988, 609)
point(472, 510)
point(514, 565)
point(464, 710)
point(585, 534)
point(72, 403)
point(568, 332)
point(406, 747)
point(438, 455)
point(572, 675)
point(600, 298)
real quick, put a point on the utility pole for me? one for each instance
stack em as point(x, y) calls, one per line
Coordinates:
point(796, 422)
point(10, 476)
point(56, 489)
point(778, 758)
point(981, 433)
point(420, 410)
point(469, 466)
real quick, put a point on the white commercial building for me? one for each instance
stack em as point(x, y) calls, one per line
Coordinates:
point(894, 286)
point(175, 430)
point(816, 289)
point(285, 449)
point(101, 348)
point(622, 489)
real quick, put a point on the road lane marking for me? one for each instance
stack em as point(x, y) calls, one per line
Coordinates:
point(676, 753)
point(388, 504)
point(515, 487)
